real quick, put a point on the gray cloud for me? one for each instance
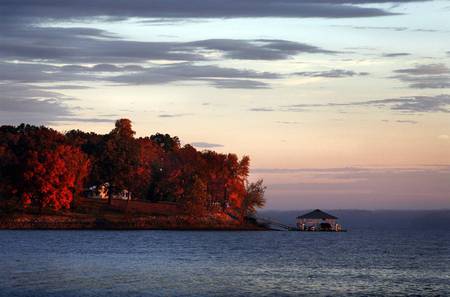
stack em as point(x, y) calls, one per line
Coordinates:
point(406, 121)
point(261, 109)
point(83, 119)
point(87, 45)
point(64, 87)
point(258, 49)
point(220, 77)
point(412, 104)
point(43, 106)
point(334, 73)
point(238, 84)
point(26, 103)
point(19, 102)
point(426, 82)
point(393, 55)
point(101, 68)
point(428, 69)
point(201, 144)
point(173, 9)
point(75, 45)
point(429, 76)
point(389, 28)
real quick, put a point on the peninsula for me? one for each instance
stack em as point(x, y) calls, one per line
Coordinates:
point(84, 180)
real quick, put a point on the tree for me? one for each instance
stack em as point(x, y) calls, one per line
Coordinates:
point(42, 167)
point(195, 198)
point(166, 142)
point(52, 178)
point(253, 199)
point(119, 160)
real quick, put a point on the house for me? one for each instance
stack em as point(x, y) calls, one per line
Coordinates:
point(318, 220)
point(99, 192)
point(124, 195)
point(103, 192)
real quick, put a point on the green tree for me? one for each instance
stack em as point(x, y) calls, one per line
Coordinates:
point(253, 198)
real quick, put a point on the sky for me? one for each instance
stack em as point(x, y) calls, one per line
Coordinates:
point(339, 103)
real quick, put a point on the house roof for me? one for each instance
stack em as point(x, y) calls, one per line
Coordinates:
point(317, 214)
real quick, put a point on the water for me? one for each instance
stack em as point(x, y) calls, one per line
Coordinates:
point(171, 263)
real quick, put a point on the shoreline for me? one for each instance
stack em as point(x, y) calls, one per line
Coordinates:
point(77, 221)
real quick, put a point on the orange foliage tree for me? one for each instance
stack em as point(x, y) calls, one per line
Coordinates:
point(42, 167)
point(52, 178)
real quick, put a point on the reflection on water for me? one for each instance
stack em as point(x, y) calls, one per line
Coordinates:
point(171, 263)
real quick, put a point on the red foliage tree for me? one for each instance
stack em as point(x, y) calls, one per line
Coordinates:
point(52, 178)
point(42, 167)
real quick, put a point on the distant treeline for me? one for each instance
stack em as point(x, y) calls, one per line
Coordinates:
point(43, 168)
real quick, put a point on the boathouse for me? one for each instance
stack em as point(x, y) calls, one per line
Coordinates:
point(317, 220)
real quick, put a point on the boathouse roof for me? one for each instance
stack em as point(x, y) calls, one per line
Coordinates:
point(317, 214)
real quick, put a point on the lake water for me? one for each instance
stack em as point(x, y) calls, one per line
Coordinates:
point(172, 263)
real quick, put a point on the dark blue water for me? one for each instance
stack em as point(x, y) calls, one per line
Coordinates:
point(170, 263)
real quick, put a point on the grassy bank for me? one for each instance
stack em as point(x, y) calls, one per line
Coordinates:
point(88, 214)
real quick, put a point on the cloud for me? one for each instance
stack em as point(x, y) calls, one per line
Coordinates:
point(261, 109)
point(258, 49)
point(64, 87)
point(389, 28)
point(95, 46)
point(20, 102)
point(101, 68)
point(220, 77)
point(411, 104)
point(43, 106)
point(394, 55)
point(26, 103)
point(428, 69)
point(238, 84)
point(428, 76)
point(201, 144)
point(176, 9)
point(83, 119)
point(406, 121)
point(173, 115)
point(334, 73)
point(74, 45)
point(28, 72)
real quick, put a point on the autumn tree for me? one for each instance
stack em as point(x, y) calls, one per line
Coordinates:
point(120, 157)
point(39, 168)
point(166, 142)
point(52, 178)
point(42, 167)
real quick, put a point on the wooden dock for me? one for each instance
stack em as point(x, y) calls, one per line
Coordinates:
point(277, 226)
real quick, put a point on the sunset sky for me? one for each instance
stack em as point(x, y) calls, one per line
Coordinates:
point(339, 103)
